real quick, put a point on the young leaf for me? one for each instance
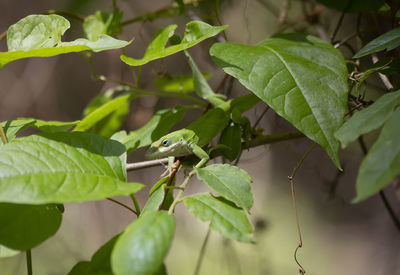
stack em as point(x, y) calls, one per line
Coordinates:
point(6, 252)
point(100, 262)
point(196, 31)
point(382, 163)
point(205, 130)
point(225, 217)
point(117, 108)
point(63, 167)
point(102, 23)
point(388, 41)
point(231, 137)
point(25, 226)
point(353, 5)
point(158, 126)
point(141, 248)
point(13, 127)
point(40, 36)
point(301, 77)
point(368, 119)
point(228, 181)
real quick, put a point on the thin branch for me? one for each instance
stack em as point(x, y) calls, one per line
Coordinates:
point(29, 261)
point(3, 35)
point(170, 179)
point(385, 80)
point(258, 141)
point(340, 20)
point(202, 252)
point(66, 13)
point(3, 135)
point(123, 205)
point(261, 116)
point(291, 180)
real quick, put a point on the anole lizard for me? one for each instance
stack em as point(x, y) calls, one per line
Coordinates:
point(178, 144)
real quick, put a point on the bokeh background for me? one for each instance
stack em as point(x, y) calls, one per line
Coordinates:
point(339, 237)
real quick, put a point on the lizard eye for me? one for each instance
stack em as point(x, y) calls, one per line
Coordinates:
point(166, 143)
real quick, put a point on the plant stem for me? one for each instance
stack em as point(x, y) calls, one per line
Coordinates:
point(3, 135)
point(202, 251)
point(136, 204)
point(29, 261)
point(178, 197)
point(123, 205)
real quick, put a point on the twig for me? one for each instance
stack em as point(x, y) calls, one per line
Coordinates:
point(202, 252)
point(123, 205)
point(66, 13)
point(261, 116)
point(3, 135)
point(29, 261)
point(3, 35)
point(384, 78)
point(178, 197)
point(170, 179)
point(291, 180)
point(258, 141)
point(340, 20)
point(283, 13)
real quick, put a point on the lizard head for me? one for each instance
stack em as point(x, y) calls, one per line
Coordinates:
point(174, 144)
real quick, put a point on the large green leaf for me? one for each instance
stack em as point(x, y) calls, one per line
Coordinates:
point(368, 119)
point(388, 41)
point(116, 108)
point(40, 36)
point(209, 125)
point(201, 86)
point(228, 181)
point(143, 245)
point(224, 216)
point(100, 264)
point(25, 226)
point(382, 163)
point(13, 127)
point(196, 31)
point(354, 5)
point(158, 126)
point(6, 252)
point(301, 77)
point(63, 167)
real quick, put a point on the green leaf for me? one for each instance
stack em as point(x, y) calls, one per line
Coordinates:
point(13, 127)
point(158, 126)
point(117, 107)
point(36, 32)
point(201, 86)
point(228, 181)
point(177, 83)
point(6, 252)
point(388, 41)
point(382, 163)
point(387, 66)
point(156, 196)
point(143, 245)
point(225, 217)
point(354, 5)
point(205, 130)
point(52, 126)
point(23, 227)
point(231, 137)
point(40, 36)
point(368, 119)
point(244, 103)
point(196, 31)
point(301, 77)
point(100, 263)
point(102, 23)
point(63, 167)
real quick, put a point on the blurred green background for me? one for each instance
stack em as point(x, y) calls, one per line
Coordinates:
point(338, 237)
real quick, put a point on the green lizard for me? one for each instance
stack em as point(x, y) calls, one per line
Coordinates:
point(178, 144)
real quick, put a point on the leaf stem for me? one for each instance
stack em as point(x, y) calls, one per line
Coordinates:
point(202, 251)
point(3, 135)
point(123, 205)
point(3, 35)
point(136, 204)
point(29, 261)
point(178, 197)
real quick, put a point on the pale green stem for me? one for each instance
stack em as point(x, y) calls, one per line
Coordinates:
point(178, 197)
